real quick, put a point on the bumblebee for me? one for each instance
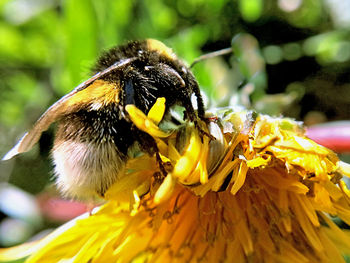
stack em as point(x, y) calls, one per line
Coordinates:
point(94, 134)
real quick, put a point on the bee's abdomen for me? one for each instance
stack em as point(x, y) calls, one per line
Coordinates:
point(103, 125)
point(90, 150)
point(84, 169)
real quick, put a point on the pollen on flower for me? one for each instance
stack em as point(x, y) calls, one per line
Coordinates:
point(260, 192)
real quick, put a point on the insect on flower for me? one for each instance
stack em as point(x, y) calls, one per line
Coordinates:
point(95, 135)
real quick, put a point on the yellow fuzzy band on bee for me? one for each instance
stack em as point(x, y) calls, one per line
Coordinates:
point(155, 45)
point(100, 93)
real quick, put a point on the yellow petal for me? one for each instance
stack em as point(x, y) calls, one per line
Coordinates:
point(143, 123)
point(189, 160)
point(259, 161)
point(344, 168)
point(18, 252)
point(165, 190)
point(240, 178)
point(156, 113)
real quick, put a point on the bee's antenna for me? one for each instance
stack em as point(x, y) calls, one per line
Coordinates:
point(211, 55)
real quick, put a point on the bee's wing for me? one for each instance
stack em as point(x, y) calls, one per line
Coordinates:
point(30, 138)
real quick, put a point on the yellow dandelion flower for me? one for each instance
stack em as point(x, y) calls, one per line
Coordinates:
point(260, 192)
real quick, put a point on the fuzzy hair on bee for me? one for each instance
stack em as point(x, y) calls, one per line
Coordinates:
point(95, 136)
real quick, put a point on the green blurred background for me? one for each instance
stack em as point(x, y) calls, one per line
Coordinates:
point(291, 57)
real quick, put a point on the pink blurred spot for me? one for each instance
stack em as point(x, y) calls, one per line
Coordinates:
point(60, 210)
point(335, 136)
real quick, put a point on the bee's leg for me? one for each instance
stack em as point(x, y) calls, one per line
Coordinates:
point(193, 117)
point(164, 167)
point(149, 145)
point(161, 164)
point(203, 132)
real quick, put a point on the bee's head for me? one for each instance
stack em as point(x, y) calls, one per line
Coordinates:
point(154, 72)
